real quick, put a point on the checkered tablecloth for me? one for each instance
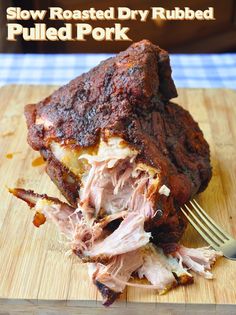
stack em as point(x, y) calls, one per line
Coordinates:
point(198, 70)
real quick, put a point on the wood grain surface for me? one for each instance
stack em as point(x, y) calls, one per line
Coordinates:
point(36, 275)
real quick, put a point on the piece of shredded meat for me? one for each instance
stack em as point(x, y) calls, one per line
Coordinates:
point(156, 271)
point(199, 260)
point(129, 236)
point(118, 270)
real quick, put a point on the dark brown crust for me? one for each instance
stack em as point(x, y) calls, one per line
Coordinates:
point(128, 96)
point(105, 95)
point(32, 198)
point(185, 280)
point(109, 296)
point(65, 180)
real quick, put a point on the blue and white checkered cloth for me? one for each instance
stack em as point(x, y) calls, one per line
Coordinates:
point(198, 70)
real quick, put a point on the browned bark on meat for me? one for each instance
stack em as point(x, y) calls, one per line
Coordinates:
point(31, 198)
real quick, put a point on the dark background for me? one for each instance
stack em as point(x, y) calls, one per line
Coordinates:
point(175, 36)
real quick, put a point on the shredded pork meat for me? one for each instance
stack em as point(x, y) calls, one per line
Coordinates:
point(129, 236)
point(199, 260)
point(114, 188)
point(117, 272)
point(115, 182)
point(86, 240)
point(156, 270)
point(112, 181)
point(114, 256)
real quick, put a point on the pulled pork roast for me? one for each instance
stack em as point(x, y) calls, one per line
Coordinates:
point(126, 159)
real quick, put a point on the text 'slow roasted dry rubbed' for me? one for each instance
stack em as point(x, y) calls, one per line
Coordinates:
point(125, 158)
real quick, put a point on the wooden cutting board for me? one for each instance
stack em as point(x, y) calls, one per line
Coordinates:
point(35, 274)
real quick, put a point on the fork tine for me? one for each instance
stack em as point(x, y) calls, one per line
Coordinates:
point(210, 222)
point(201, 232)
point(203, 227)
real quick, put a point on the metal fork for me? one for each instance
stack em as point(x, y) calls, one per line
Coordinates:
point(215, 236)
